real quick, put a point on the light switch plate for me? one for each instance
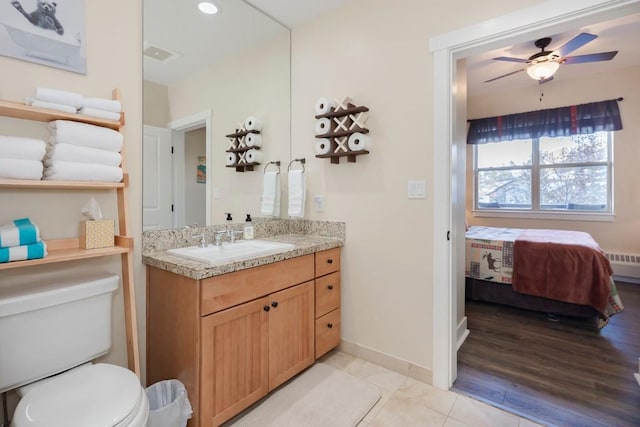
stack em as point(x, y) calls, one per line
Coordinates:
point(416, 189)
point(318, 203)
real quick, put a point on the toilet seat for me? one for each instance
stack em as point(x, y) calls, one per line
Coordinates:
point(99, 395)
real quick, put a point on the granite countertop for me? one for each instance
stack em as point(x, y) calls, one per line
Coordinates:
point(304, 244)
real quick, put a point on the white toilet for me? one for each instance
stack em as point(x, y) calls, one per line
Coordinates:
point(49, 333)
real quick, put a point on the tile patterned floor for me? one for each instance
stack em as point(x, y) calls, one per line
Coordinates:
point(407, 402)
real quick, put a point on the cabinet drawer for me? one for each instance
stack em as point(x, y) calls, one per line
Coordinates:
point(327, 261)
point(327, 332)
point(227, 290)
point(327, 293)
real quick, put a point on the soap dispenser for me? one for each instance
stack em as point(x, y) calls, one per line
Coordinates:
point(247, 233)
point(229, 219)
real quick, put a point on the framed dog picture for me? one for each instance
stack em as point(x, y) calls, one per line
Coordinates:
point(46, 32)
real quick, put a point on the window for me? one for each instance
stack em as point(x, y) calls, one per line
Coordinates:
point(564, 174)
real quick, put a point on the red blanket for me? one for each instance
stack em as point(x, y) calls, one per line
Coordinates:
point(561, 265)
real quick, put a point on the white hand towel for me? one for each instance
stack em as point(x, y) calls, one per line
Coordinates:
point(270, 205)
point(296, 193)
point(15, 147)
point(86, 135)
point(73, 171)
point(101, 114)
point(51, 105)
point(102, 104)
point(20, 169)
point(77, 153)
point(59, 97)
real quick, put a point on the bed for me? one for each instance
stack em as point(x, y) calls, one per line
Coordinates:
point(558, 272)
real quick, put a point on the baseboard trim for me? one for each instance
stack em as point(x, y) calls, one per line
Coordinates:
point(462, 332)
point(388, 361)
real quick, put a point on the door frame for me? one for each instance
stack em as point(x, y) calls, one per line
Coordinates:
point(179, 127)
point(522, 25)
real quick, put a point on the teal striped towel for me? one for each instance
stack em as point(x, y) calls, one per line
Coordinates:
point(20, 253)
point(18, 232)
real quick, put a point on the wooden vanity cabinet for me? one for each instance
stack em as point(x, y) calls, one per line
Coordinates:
point(231, 339)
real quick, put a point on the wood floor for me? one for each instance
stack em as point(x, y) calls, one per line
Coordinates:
point(564, 373)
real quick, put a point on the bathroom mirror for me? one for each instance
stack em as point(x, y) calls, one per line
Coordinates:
point(203, 76)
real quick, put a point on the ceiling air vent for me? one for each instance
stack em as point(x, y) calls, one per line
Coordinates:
point(159, 54)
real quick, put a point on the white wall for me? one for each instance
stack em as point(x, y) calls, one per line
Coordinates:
point(623, 233)
point(113, 35)
point(377, 53)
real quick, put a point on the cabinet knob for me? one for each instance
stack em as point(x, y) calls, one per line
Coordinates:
point(329, 325)
point(274, 304)
point(266, 308)
point(330, 261)
point(330, 287)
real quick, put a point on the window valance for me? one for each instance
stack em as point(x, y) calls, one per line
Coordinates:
point(603, 116)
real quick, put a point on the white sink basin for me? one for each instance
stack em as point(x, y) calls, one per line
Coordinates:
point(231, 252)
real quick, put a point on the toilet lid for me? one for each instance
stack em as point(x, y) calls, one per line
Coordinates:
point(100, 395)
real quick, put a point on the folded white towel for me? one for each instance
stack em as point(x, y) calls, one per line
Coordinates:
point(86, 135)
point(20, 169)
point(270, 204)
point(59, 97)
point(102, 104)
point(296, 193)
point(73, 171)
point(101, 114)
point(15, 147)
point(77, 153)
point(51, 105)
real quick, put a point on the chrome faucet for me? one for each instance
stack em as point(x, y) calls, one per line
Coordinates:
point(218, 236)
point(232, 235)
point(203, 240)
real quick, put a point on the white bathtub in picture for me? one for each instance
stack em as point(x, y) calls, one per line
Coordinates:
point(50, 47)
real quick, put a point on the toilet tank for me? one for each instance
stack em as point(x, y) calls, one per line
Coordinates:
point(48, 326)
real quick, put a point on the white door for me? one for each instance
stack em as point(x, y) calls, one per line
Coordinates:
point(156, 178)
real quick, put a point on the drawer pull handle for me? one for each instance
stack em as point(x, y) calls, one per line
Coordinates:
point(330, 261)
point(330, 287)
point(329, 325)
point(274, 304)
point(266, 308)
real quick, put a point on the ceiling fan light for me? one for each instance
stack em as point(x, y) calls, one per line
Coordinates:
point(207, 7)
point(542, 70)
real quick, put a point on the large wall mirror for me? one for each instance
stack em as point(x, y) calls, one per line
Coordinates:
point(203, 76)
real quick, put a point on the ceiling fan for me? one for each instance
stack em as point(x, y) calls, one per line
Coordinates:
point(543, 64)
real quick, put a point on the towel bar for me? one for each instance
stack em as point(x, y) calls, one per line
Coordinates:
point(301, 160)
point(276, 163)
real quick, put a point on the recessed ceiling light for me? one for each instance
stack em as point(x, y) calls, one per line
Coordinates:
point(207, 7)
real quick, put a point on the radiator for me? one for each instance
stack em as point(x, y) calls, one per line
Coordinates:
point(625, 265)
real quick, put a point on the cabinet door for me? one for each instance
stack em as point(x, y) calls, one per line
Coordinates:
point(234, 360)
point(291, 332)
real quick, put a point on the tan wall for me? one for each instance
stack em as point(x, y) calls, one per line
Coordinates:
point(113, 61)
point(622, 235)
point(195, 145)
point(377, 53)
point(155, 108)
point(254, 82)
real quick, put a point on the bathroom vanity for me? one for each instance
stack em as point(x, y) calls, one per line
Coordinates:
point(234, 332)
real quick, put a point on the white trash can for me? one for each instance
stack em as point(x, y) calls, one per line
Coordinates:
point(168, 404)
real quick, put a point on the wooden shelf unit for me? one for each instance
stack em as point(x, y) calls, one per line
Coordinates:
point(333, 134)
point(64, 250)
point(242, 167)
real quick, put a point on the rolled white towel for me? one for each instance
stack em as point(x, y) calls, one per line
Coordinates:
point(86, 135)
point(15, 147)
point(59, 97)
point(51, 105)
point(101, 114)
point(77, 153)
point(102, 104)
point(60, 170)
point(20, 169)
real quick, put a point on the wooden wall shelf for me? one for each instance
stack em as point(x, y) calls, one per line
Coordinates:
point(236, 136)
point(244, 167)
point(241, 133)
point(64, 250)
point(352, 123)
